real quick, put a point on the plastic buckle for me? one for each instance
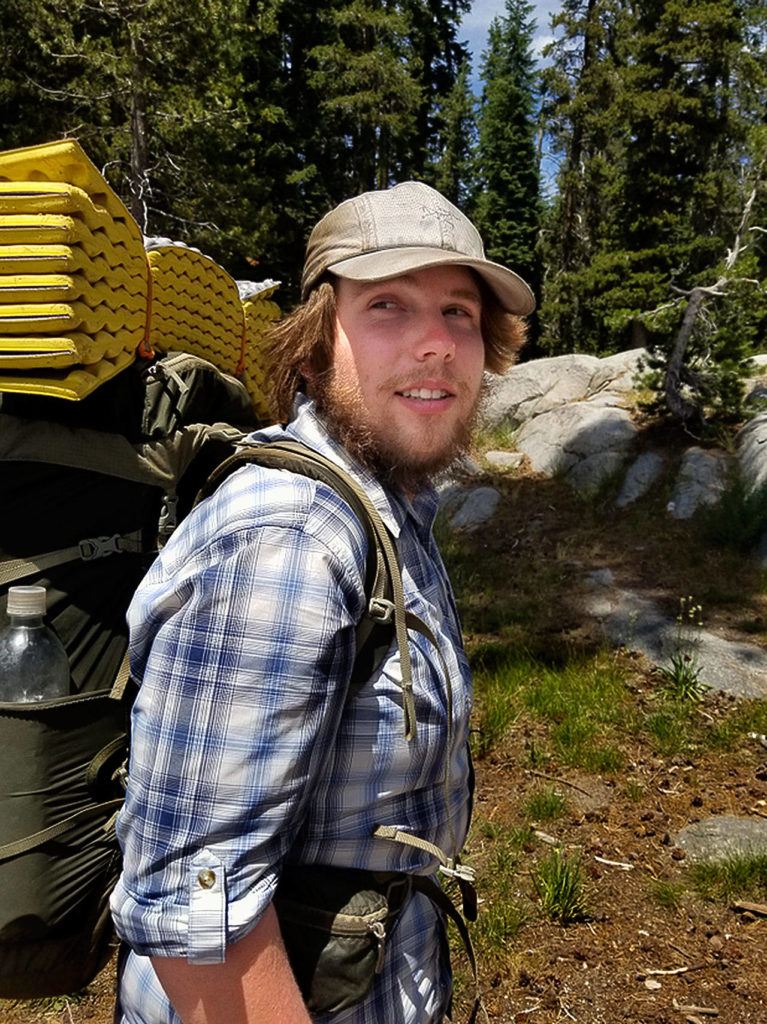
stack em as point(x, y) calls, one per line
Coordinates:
point(120, 775)
point(460, 871)
point(98, 547)
point(381, 610)
point(168, 515)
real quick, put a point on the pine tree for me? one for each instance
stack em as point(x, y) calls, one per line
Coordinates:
point(235, 125)
point(34, 87)
point(714, 171)
point(437, 57)
point(655, 105)
point(454, 171)
point(147, 86)
point(363, 87)
point(507, 204)
point(368, 97)
point(581, 111)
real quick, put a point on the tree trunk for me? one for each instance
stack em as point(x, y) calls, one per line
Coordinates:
point(572, 201)
point(138, 180)
point(678, 406)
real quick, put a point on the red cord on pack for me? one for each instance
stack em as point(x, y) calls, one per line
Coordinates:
point(145, 350)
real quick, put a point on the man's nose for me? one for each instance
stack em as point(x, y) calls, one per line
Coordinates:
point(435, 339)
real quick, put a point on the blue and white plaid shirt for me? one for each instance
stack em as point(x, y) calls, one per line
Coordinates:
point(246, 754)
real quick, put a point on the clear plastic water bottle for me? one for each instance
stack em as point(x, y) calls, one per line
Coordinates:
point(33, 663)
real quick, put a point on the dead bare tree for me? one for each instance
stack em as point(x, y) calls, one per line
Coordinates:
point(677, 373)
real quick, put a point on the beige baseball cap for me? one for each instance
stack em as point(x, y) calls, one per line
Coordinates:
point(409, 227)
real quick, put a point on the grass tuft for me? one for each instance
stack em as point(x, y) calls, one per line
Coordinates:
point(682, 678)
point(559, 883)
point(668, 894)
point(634, 791)
point(545, 804)
point(741, 877)
point(584, 701)
point(739, 519)
point(503, 910)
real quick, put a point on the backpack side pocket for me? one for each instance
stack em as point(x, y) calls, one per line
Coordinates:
point(59, 857)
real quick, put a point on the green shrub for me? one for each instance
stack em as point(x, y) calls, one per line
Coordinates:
point(739, 519)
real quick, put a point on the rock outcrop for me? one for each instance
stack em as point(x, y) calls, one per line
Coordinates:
point(572, 415)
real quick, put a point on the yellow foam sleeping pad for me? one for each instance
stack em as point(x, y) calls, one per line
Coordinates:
point(71, 383)
point(57, 197)
point(74, 280)
point(104, 323)
point(260, 313)
point(54, 351)
point(195, 306)
point(44, 258)
point(52, 317)
point(64, 161)
point(116, 244)
point(44, 304)
point(79, 293)
point(29, 288)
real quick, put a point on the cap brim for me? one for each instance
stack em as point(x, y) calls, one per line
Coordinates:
point(514, 294)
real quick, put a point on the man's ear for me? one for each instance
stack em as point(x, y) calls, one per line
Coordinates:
point(307, 377)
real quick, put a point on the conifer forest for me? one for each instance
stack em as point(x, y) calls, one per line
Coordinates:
point(622, 172)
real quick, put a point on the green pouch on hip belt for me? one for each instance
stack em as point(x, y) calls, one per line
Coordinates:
point(335, 923)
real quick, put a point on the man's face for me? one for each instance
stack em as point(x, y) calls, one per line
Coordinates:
point(407, 367)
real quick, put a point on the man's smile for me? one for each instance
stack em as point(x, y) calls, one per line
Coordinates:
point(425, 394)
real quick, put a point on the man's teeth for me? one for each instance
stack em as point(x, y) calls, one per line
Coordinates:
point(424, 393)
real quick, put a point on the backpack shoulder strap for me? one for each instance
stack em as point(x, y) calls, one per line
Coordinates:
point(383, 582)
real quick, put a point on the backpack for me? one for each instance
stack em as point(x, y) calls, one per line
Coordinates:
point(84, 512)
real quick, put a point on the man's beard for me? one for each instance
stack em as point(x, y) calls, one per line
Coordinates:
point(341, 405)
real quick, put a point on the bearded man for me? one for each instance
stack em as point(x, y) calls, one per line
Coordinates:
point(254, 773)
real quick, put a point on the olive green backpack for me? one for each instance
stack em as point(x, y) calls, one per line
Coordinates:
point(88, 491)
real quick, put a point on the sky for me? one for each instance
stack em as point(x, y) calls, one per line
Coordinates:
point(476, 24)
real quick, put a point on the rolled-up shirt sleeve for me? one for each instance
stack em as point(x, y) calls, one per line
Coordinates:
point(243, 640)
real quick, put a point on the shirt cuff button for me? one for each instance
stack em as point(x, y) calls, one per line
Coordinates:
point(206, 878)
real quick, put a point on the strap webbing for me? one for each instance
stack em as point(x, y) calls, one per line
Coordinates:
point(87, 549)
point(429, 887)
point(9, 850)
point(297, 458)
point(419, 626)
point(121, 678)
point(117, 746)
point(449, 866)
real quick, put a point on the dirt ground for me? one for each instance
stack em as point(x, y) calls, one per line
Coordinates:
point(632, 959)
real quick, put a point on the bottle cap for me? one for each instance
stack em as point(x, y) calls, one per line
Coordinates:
point(26, 601)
